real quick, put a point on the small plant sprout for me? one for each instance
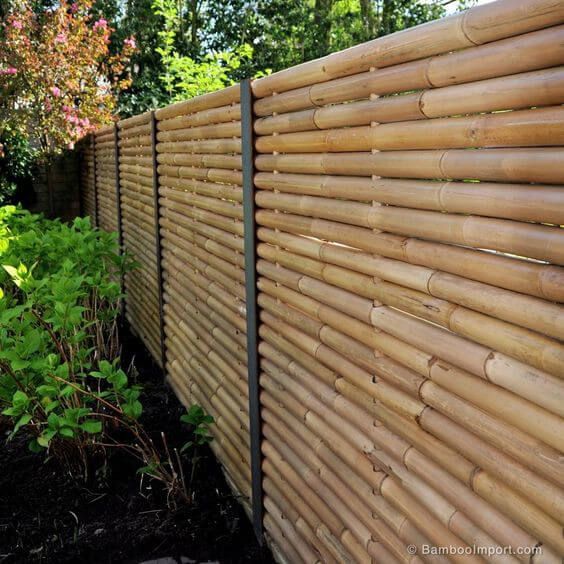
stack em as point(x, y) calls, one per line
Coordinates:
point(199, 423)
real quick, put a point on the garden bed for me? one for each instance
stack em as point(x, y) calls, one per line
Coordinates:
point(47, 517)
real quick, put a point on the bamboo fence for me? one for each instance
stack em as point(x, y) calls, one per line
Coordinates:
point(199, 156)
point(87, 178)
point(106, 191)
point(410, 203)
point(139, 229)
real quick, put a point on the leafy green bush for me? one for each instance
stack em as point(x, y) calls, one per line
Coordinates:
point(17, 164)
point(59, 366)
point(59, 306)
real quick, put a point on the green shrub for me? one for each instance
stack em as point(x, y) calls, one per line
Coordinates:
point(60, 377)
point(59, 306)
point(17, 164)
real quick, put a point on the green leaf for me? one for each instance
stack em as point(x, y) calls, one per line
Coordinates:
point(67, 432)
point(34, 446)
point(91, 426)
point(133, 409)
point(22, 421)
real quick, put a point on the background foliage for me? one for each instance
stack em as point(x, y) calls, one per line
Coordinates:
point(189, 47)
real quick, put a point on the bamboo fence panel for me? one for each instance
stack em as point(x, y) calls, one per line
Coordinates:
point(139, 229)
point(87, 179)
point(201, 226)
point(411, 254)
point(106, 192)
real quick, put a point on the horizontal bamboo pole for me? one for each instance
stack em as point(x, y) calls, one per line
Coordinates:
point(178, 247)
point(213, 175)
point(520, 452)
point(501, 469)
point(137, 160)
point(232, 322)
point(522, 239)
point(215, 146)
point(544, 204)
point(140, 119)
point(210, 292)
point(171, 220)
point(541, 127)
point(514, 307)
point(143, 183)
point(299, 513)
point(193, 198)
point(522, 276)
point(204, 117)
point(538, 88)
point(537, 50)
point(139, 170)
point(290, 428)
point(210, 265)
point(332, 489)
point(499, 165)
point(143, 129)
point(219, 191)
point(545, 390)
point(204, 102)
point(136, 141)
point(230, 386)
point(214, 131)
point(211, 273)
point(176, 224)
point(281, 405)
point(466, 294)
point(145, 150)
point(286, 433)
point(212, 219)
point(505, 530)
point(203, 161)
point(480, 24)
point(222, 381)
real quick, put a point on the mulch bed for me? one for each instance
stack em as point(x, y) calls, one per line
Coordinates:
point(47, 517)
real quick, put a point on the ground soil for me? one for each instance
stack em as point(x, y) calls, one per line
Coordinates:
point(46, 516)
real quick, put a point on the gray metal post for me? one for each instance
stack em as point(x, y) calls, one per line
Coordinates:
point(247, 136)
point(158, 248)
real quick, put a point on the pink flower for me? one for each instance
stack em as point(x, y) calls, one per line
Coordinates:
point(17, 24)
point(48, 105)
point(84, 122)
point(9, 70)
point(74, 8)
point(66, 109)
point(100, 24)
point(61, 38)
point(56, 91)
point(130, 42)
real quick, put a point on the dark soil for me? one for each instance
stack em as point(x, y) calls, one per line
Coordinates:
point(46, 516)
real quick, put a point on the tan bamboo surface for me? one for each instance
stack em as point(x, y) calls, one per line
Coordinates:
point(410, 194)
point(410, 204)
point(201, 211)
point(139, 229)
point(87, 178)
point(106, 178)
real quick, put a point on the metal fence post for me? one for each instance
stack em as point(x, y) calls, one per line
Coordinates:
point(93, 143)
point(158, 238)
point(118, 212)
point(118, 188)
point(247, 137)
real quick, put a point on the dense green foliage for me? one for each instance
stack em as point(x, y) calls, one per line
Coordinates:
point(17, 164)
point(60, 375)
point(59, 305)
point(187, 47)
